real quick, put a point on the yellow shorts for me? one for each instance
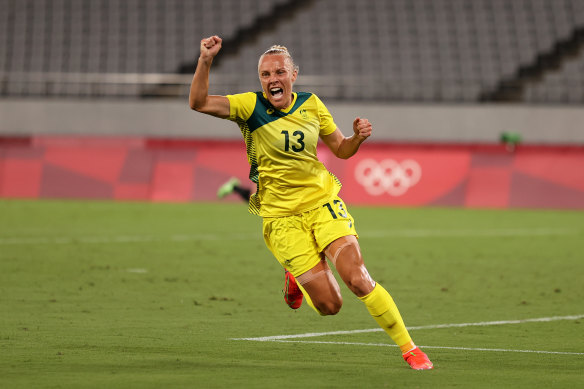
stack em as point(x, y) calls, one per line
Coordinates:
point(298, 241)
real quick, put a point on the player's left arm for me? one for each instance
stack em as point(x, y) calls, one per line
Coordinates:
point(345, 147)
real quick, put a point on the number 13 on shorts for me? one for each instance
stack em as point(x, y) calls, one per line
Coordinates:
point(337, 204)
point(337, 209)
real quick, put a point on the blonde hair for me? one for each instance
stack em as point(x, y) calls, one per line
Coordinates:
point(279, 49)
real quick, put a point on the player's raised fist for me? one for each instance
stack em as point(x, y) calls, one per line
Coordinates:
point(362, 127)
point(210, 47)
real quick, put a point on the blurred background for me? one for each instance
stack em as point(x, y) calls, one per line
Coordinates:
point(498, 81)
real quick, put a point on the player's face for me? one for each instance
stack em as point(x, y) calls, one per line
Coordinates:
point(277, 76)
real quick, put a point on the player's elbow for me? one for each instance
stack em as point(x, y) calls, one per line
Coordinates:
point(200, 108)
point(344, 153)
point(344, 156)
point(196, 105)
point(198, 102)
point(345, 149)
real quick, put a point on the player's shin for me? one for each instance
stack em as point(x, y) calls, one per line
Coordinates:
point(383, 309)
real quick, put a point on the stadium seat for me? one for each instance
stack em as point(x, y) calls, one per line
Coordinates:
point(436, 50)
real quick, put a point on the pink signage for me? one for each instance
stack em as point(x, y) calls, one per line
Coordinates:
point(388, 174)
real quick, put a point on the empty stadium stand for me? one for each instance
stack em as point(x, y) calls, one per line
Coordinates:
point(461, 51)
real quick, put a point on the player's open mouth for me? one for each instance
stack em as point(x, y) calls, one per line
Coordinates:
point(276, 92)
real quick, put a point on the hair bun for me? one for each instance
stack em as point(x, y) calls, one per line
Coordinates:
point(276, 48)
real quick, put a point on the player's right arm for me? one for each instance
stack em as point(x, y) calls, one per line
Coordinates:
point(199, 98)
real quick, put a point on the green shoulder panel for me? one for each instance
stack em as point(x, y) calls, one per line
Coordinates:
point(265, 113)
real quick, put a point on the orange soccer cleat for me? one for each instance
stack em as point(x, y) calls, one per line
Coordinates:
point(292, 293)
point(418, 360)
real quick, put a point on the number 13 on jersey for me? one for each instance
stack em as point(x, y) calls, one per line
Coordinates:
point(297, 141)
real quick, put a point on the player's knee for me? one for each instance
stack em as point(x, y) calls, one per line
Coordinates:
point(360, 282)
point(359, 286)
point(331, 307)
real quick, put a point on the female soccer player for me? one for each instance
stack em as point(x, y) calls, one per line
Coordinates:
point(304, 220)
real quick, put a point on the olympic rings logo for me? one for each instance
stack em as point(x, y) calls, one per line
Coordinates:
point(388, 176)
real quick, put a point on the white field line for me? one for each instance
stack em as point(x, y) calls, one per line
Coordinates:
point(290, 338)
point(428, 327)
point(488, 233)
point(437, 347)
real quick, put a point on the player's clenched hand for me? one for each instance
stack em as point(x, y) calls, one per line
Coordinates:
point(362, 128)
point(210, 47)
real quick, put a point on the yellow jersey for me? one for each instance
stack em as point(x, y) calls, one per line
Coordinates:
point(281, 150)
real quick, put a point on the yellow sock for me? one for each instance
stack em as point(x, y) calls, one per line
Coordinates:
point(307, 298)
point(407, 347)
point(383, 309)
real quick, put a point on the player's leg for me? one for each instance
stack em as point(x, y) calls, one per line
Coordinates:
point(227, 188)
point(293, 245)
point(321, 289)
point(294, 293)
point(321, 285)
point(345, 254)
point(233, 186)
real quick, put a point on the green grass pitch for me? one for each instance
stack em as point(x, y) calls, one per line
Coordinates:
point(141, 295)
